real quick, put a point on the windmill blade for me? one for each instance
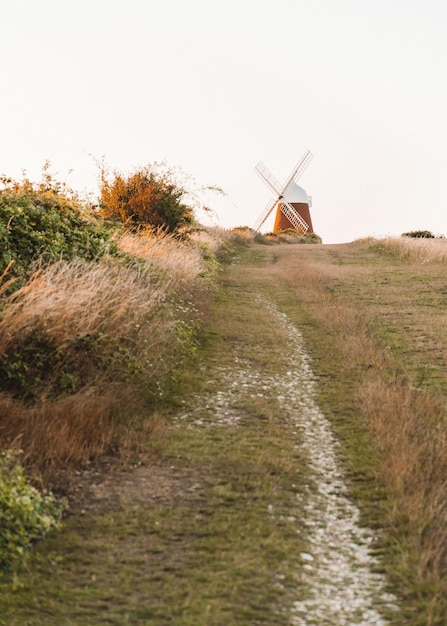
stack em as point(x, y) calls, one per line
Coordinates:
point(299, 169)
point(303, 164)
point(294, 217)
point(265, 214)
point(264, 173)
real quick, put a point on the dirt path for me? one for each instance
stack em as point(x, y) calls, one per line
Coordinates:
point(341, 585)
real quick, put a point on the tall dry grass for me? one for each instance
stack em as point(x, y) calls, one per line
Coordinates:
point(181, 260)
point(88, 346)
point(410, 427)
point(77, 298)
point(64, 431)
point(422, 250)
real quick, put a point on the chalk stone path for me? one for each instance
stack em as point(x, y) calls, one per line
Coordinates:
point(341, 585)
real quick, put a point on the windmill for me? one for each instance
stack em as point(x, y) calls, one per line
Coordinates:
point(292, 201)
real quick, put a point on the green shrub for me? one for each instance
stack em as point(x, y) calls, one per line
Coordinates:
point(25, 513)
point(43, 222)
point(419, 234)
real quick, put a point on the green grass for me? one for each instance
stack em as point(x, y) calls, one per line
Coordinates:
point(182, 565)
point(213, 533)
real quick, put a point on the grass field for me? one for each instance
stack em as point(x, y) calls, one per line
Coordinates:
point(188, 537)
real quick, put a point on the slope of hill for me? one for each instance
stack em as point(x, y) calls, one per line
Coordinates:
point(302, 452)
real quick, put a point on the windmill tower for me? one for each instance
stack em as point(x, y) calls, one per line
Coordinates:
point(291, 201)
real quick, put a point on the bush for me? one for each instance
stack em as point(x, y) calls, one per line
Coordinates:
point(44, 222)
point(419, 234)
point(25, 513)
point(148, 197)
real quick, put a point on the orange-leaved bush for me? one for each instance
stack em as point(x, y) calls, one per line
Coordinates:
point(148, 196)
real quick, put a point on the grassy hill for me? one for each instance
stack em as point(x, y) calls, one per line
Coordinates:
point(202, 525)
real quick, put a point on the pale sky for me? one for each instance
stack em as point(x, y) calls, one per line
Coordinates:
point(214, 87)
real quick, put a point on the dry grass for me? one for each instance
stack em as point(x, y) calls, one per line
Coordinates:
point(411, 429)
point(182, 261)
point(328, 292)
point(75, 299)
point(243, 232)
point(61, 436)
point(67, 431)
point(422, 250)
point(214, 237)
point(5, 284)
point(86, 346)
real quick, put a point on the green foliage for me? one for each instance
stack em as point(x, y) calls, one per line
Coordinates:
point(210, 264)
point(34, 364)
point(25, 513)
point(43, 222)
point(26, 364)
point(147, 197)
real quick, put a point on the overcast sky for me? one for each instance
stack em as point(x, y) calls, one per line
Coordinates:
point(214, 87)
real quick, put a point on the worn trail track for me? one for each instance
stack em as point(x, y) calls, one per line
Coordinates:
point(341, 586)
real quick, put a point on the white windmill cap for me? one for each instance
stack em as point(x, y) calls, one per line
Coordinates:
point(295, 193)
